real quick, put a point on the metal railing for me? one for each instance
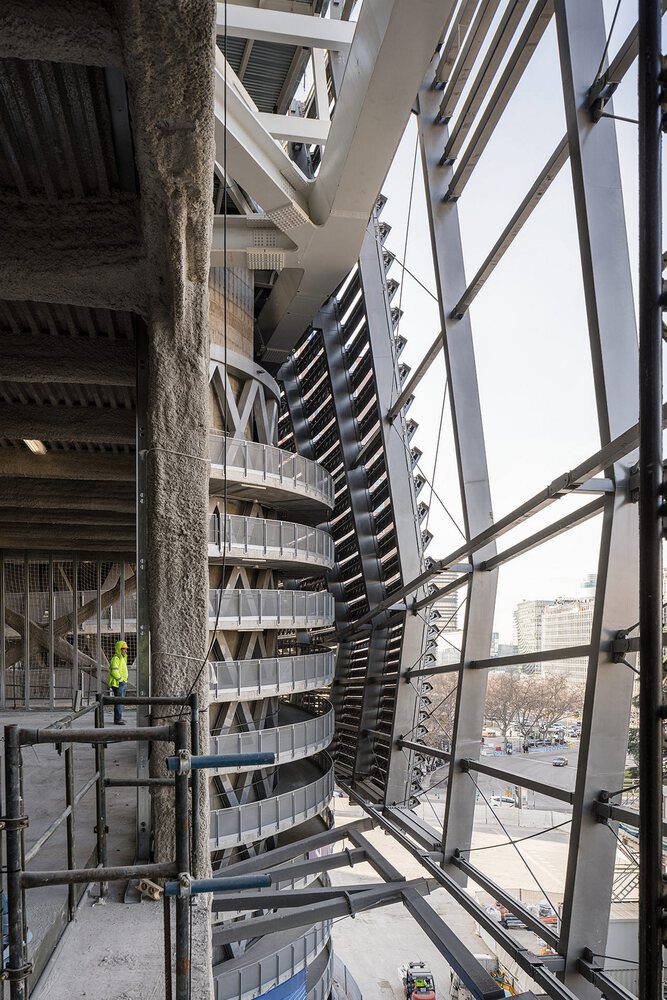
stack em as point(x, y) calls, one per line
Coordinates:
point(270, 466)
point(243, 680)
point(321, 989)
point(259, 538)
point(248, 609)
point(287, 742)
point(234, 826)
point(344, 980)
point(249, 976)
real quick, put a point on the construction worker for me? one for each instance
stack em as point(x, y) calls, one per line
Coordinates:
point(118, 680)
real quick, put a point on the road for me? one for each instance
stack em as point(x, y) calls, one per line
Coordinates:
point(536, 764)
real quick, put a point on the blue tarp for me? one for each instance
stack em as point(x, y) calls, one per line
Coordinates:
point(291, 989)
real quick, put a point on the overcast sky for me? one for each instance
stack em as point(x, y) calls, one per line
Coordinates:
point(529, 327)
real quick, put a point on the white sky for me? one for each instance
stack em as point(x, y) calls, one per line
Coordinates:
point(529, 327)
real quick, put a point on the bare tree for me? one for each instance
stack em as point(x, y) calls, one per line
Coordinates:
point(558, 698)
point(528, 711)
point(504, 698)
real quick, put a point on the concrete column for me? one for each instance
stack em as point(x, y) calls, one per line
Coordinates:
point(172, 120)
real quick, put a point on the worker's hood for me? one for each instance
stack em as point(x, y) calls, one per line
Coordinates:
point(119, 651)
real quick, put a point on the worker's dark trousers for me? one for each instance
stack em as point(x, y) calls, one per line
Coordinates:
point(118, 692)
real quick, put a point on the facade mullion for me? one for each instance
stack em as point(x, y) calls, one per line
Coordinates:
point(472, 470)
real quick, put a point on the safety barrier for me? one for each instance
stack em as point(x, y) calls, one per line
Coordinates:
point(287, 742)
point(244, 680)
point(270, 962)
point(234, 826)
point(346, 985)
point(266, 609)
point(253, 538)
point(264, 465)
point(320, 975)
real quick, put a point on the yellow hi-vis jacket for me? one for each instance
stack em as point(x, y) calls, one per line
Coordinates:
point(118, 667)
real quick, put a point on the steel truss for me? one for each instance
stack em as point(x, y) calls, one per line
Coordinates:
point(339, 386)
point(449, 157)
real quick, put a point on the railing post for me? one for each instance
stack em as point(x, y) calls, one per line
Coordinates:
point(26, 632)
point(195, 782)
point(182, 867)
point(17, 952)
point(98, 624)
point(75, 630)
point(69, 802)
point(52, 614)
point(3, 674)
point(101, 795)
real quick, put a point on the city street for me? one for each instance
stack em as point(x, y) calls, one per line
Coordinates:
point(537, 764)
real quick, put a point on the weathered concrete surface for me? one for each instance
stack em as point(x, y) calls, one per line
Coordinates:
point(44, 30)
point(167, 53)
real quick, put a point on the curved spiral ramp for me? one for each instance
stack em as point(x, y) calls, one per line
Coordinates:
point(266, 676)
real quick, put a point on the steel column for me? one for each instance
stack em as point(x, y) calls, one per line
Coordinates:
point(141, 570)
point(26, 632)
point(472, 469)
point(3, 599)
point(71, 842)
point(98, 626)
point(16, 967)
point(402, 491)
point(182, 867)
point(52, 614)
point(101, 794)
point(75, 630)
point(612, 334)
point(651, 503)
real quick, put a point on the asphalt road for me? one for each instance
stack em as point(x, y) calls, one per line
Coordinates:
point(536, 764)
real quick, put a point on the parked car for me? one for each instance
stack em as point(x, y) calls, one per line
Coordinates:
point(559, 762)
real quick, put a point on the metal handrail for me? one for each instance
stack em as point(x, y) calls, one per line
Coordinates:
point(258, 537)
point(266, 463)
point(233, 826)
point(288, 743)
point(243, 680)
point(251, 976)
point(245, 609)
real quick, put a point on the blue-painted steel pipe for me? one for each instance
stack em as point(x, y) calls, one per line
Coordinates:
point(239, 882)
point(228, 760)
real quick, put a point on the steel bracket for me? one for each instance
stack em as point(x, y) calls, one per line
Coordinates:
point(633, 484)
point(12, 823)
point(18, 974)
point(619, 646)
point(599, 96)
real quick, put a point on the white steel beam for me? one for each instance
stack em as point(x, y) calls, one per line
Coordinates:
point(249, 237)
point(472, 470)
point(253, 157)
point(391, 51)
point(607, 281)
point(293, 128)
point(285, 28)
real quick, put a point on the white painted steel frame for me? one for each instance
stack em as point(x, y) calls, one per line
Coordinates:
point(612, 334)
